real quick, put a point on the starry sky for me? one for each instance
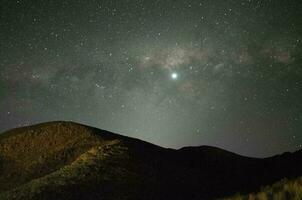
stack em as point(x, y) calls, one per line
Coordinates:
point(225, 73)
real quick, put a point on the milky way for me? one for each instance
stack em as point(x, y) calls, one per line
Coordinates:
point(174, 73)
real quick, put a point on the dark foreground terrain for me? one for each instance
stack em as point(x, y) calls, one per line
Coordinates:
point(65, 160)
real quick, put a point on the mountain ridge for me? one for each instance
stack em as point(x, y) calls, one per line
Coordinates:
point(67, 160)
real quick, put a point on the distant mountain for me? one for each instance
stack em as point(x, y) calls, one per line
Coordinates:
point(65, 160)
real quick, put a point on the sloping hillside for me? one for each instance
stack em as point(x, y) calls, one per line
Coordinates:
point(65, 160)
point(282, 190)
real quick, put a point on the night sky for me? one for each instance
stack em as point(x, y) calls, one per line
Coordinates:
point(225, 73)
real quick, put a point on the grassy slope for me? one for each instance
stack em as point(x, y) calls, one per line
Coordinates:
point(31, 162)
point(90, 168)
point(282, 190)
point(27, 154)
point(62, 160)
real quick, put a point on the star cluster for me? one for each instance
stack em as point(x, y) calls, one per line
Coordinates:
point(171, 72)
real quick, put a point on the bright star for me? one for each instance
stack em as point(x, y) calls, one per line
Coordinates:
point(174, 75)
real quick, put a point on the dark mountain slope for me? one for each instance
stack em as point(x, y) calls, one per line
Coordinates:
point(65, 160)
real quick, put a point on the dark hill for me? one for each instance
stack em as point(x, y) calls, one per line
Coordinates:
point(65, 160)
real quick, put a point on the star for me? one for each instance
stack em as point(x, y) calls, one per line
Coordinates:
point(168, 75)
point(174, 76)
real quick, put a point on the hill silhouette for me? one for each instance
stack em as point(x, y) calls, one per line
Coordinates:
point(66, 160)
